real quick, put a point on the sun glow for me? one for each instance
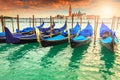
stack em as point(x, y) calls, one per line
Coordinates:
point(106, 12)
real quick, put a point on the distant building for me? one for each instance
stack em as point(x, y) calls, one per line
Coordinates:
point(77, 14)
point(92, 16)
point(59, 16)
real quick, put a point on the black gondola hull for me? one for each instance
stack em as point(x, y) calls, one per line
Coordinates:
point(2, 40)
point(24, 40)
point(46, 43)
point(74, 44)
point(109, 46)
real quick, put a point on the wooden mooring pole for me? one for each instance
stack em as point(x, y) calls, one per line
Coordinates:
point(95, 28)
point(113, 23)
point(72, 20)
point(33, 19)
point(117, 22)
point(18, 25)
point(30, 21)
point(2, 23)
point(51, 26)
point(40, 21)
point(12, 24)
point(66, 20)
point(80, 23)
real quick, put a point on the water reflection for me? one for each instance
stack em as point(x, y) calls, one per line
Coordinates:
point(46, 61)
point(22, 51)
point(5, 47)
point(108, 58)
point(77, 56)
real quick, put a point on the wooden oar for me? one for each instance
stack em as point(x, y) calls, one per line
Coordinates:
point(38, 35)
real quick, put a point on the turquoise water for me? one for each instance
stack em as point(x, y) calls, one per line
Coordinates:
point(32, 62)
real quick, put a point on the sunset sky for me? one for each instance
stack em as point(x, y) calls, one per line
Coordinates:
point(46, 8)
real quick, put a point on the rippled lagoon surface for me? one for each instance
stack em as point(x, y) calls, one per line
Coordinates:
point(32, 62)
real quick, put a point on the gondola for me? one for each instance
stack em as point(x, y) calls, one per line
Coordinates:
point(29, 30)
point(25, 31)
point(19, 38)
point(46, 30)
point(58, 39)
point(84, 37)
point(2, 37)
point(108, 38)
point(54, 31)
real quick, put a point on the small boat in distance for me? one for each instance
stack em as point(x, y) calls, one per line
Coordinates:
point(108, 38)
point(83, 37)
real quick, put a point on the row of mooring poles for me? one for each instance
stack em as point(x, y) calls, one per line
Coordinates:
point(3, 21)
point(33, 21)
point(115, 23)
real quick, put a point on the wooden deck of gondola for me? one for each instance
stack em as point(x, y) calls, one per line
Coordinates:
point(74, 44)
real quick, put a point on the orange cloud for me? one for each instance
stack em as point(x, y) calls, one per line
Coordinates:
point(42, 4)
point(49, 7)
